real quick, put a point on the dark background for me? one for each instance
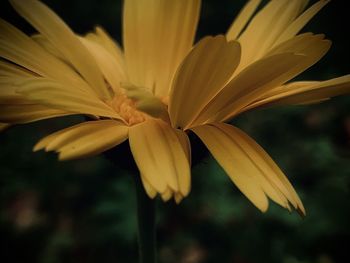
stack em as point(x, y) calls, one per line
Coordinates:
point(84, 211)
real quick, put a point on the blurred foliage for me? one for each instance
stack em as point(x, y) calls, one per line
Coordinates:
point(84, 211)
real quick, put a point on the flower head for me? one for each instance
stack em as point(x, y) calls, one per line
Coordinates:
point(160, 87)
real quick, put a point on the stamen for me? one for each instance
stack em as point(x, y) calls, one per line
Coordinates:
point(135, 104)
point(125, 107)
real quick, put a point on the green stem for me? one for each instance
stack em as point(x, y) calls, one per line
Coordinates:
point(146, 217)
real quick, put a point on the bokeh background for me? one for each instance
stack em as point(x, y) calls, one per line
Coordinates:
point(84, 211)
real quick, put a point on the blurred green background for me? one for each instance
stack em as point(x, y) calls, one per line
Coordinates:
point(84, 211)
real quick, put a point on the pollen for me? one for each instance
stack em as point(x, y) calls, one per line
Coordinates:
point(126, 108)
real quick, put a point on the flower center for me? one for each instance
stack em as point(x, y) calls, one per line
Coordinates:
point(126, 108)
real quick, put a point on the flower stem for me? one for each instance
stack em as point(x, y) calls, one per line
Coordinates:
point(146, 217)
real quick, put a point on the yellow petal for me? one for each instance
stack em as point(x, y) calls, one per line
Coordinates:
point(109, 66)
point(299, 43)
point(150, 191)
point(235, 163)
point(12, 70)
point(14, 108)
point(185, 142)
point(60, 36)
point(303, 5)
point(178, 198)
point(184, 179)
point(267, 167)
point(301, 21)
point(242, 19)
point(85, 139)
point(157, 35)
point(304, 92)
point(200, 77)
point(250, 84)
point(46, 44)
point(25, 113)
point(167, 194)
point(158, 154)
point(20, 49)
point(101, 36)
point(55, 95)
point(265, 28)
point(314, 47)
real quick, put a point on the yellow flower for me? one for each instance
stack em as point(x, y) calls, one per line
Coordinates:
point(159, 87)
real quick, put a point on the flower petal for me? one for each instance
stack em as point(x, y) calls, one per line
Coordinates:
point(184, 179)
point(167, 194)
point(101, 36)
point(25, 113)
point(46, 44)
point(242, 19)
point(61, 36)
point(235, 163)
point(201, 76)
point(157, 35)
point(314, 47)
point(14, 108)
point(265, 164)
point(11, 70)
point(55, 95)
point(304, 92)
point(248, 85)
point(85, 139)
point(20, 49)
point(248, 160)
point(159, 155)
point(150, 191)
point(109, 66)
point(301, 21)
point(265, 28)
